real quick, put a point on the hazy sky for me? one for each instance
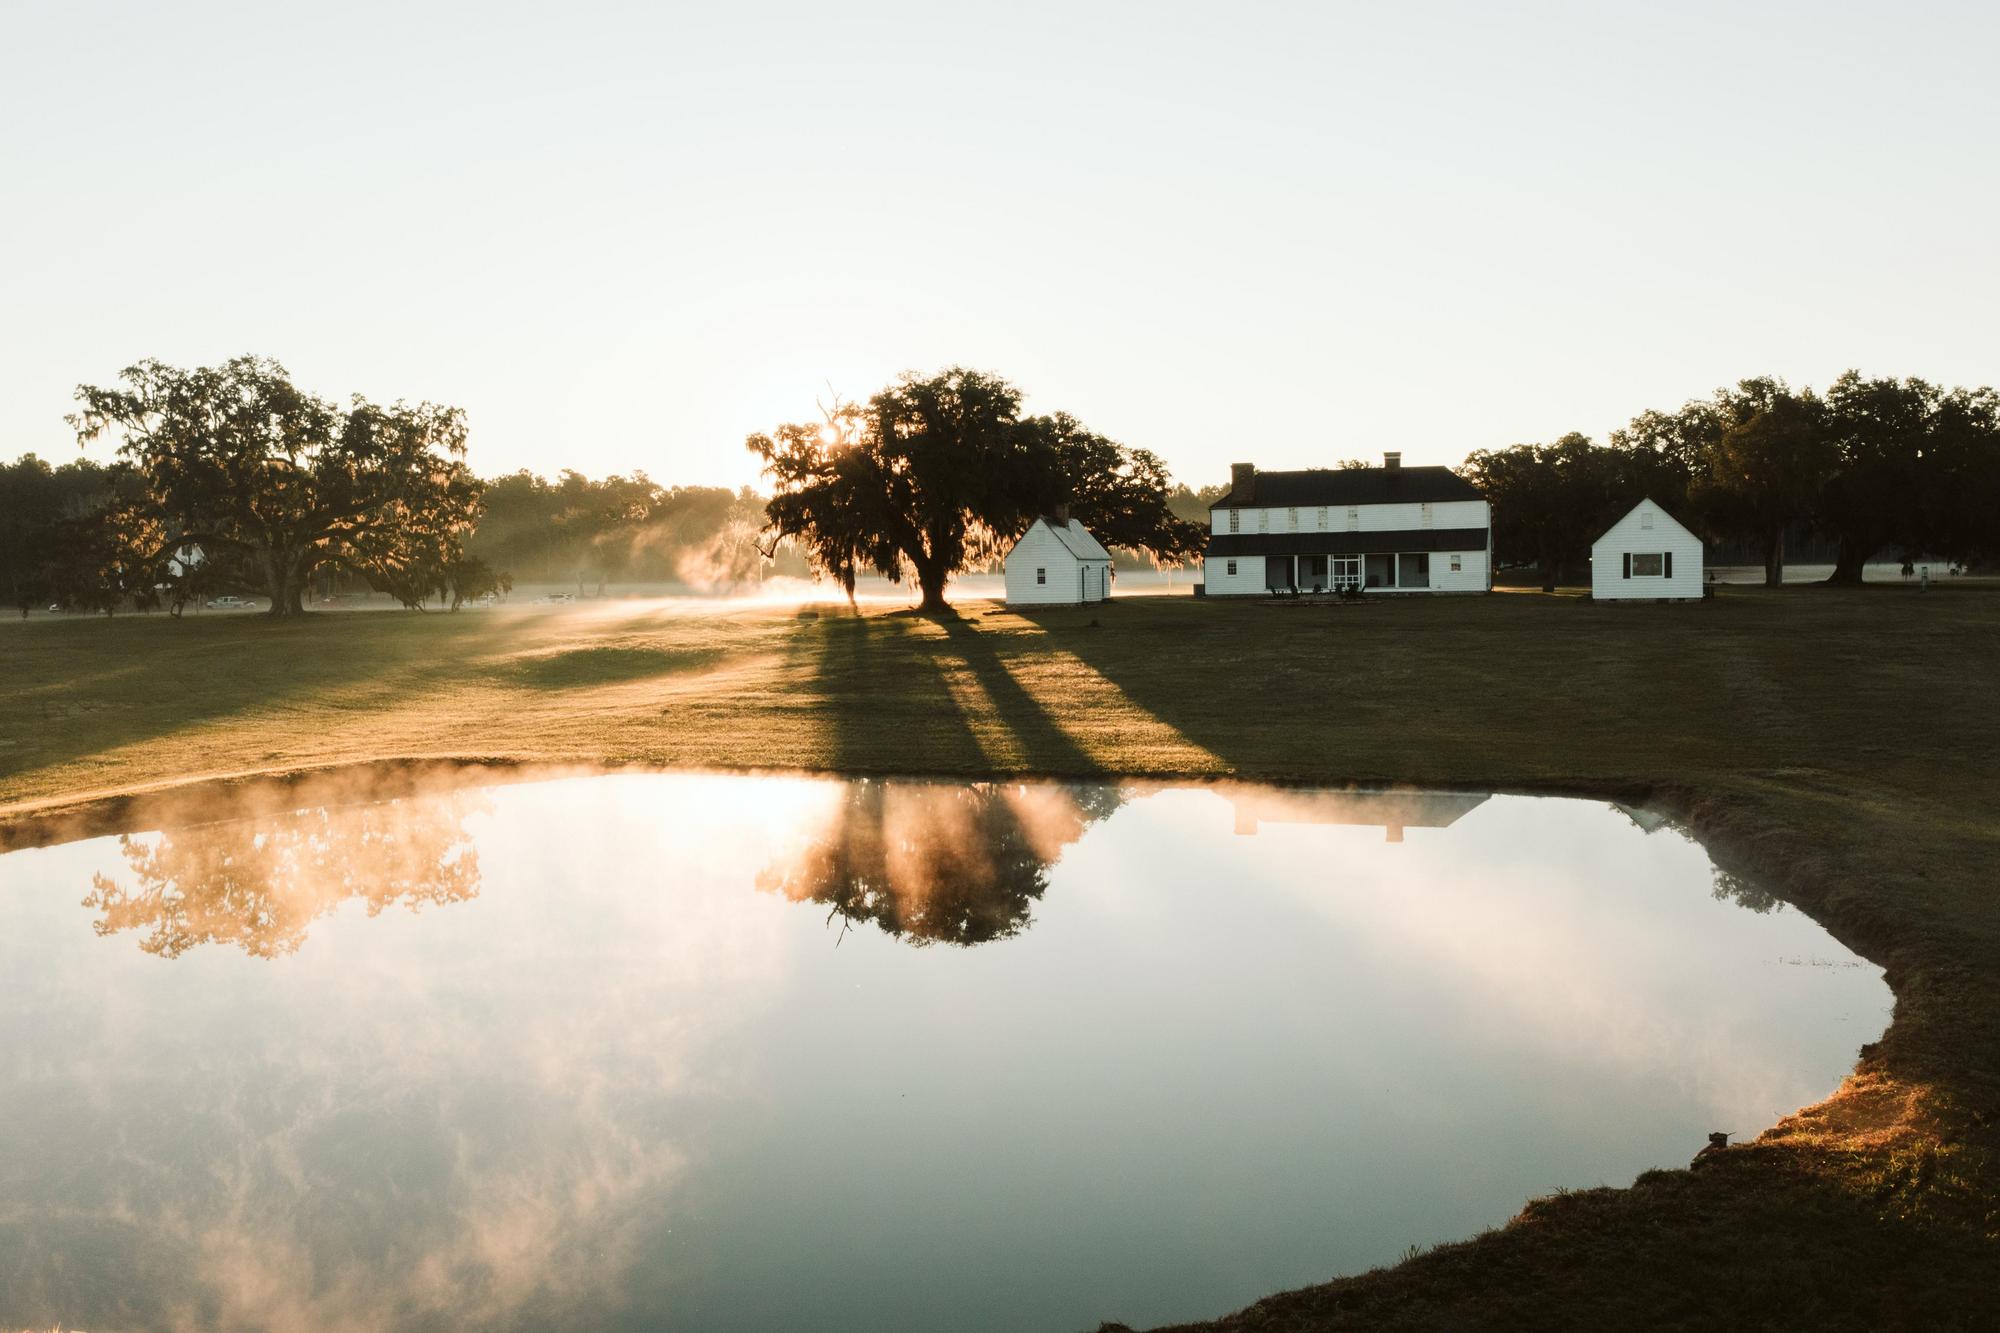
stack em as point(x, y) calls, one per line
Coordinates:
point(624, 236)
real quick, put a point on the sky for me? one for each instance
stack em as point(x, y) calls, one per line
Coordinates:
point(626, 236)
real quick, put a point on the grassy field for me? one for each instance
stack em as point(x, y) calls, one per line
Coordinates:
point(1841, 745)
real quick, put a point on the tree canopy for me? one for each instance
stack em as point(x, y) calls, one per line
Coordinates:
point(936, 472)
point(239, 461)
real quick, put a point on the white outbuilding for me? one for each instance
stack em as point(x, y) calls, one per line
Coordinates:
point(1646, 556)
point(1057, 562)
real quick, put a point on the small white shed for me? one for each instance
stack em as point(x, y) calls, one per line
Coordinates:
point(1058, 562)
point(1646, 556)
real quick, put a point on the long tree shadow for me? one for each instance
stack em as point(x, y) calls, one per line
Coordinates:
point(878, 699)
point(1043, 744)
point(189, 680)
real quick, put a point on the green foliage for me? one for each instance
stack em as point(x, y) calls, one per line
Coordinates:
point(575, 530)
point(238, 460)
point(1124, 495)
point(1551, 500)
point(38, 505)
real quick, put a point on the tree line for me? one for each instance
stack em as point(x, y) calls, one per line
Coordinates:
point(230, 478)
point(1876, 466)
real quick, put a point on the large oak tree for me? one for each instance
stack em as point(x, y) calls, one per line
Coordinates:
point(934, 472)
point(240, 461)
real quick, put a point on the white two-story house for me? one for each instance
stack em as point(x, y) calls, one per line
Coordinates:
point(1388, 529)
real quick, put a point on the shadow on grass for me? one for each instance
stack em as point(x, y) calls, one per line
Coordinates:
point(1045, 747)
point(178, 676)
point(584, 667)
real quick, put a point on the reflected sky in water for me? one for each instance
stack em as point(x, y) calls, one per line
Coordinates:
point(748, 1053)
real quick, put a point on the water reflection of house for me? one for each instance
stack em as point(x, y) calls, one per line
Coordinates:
point(1393, 811)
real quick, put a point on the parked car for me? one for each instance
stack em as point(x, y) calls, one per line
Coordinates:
point(230, 604)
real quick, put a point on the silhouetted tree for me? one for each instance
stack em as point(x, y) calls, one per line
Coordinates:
point(935, 472)
point(1766, 469)
point(38, 506)
point(1122, 494)
point(1550, 501)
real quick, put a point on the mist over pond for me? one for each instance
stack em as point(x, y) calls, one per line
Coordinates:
point(749, 1052)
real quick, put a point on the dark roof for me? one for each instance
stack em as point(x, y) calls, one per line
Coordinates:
point(1347, 543)
point(1351, 486)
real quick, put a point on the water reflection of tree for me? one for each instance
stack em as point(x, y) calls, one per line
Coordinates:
point(260, 884)
point(1744, 893)
point(928, 862)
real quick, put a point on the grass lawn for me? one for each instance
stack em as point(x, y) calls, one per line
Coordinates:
point(1841, 745)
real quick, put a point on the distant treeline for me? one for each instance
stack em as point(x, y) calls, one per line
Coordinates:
point(624, 529)
point(1871, 468)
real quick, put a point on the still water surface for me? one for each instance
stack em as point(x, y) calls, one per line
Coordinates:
point(749, 1053)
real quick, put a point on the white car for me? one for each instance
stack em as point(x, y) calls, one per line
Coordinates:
point(230, 604)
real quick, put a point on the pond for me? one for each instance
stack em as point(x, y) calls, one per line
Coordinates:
point(695, 1051)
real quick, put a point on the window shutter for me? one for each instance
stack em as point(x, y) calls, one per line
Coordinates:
point(1628, 564)
point(1667, 564)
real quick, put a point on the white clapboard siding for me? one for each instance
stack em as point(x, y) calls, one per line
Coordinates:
point(1048, 567)
point(1646, 530)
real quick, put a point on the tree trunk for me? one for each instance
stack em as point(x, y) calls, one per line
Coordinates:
point(1774, 559)
point(930, 579)
point(1848, 563)
point(285, 583)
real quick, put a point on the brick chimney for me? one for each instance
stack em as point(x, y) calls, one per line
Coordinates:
point(1242, 480)
point(1392, 459)
point(1060, 515)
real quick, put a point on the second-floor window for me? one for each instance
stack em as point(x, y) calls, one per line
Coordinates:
point(1291, 520)
point(1235, 520)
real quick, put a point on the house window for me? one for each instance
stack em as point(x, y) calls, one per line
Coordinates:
point(1235, 520)
point(1232, 569)
point(1457, 563)
point(1647, 566)
point(1353, 516)
point(1424, 513)
point(1263, 520)
point(1291, 520)
point(1042, 575)
point(1322, 518)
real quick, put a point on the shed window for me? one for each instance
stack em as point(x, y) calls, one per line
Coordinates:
point(1042, 575)
point(1235, 520)
point(1232, 569)
point(1645, 520)
point(1647, 566)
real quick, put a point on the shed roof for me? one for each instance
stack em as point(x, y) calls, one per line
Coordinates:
point(1657, 508)
point(1075, 538)
point(1349, 486)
